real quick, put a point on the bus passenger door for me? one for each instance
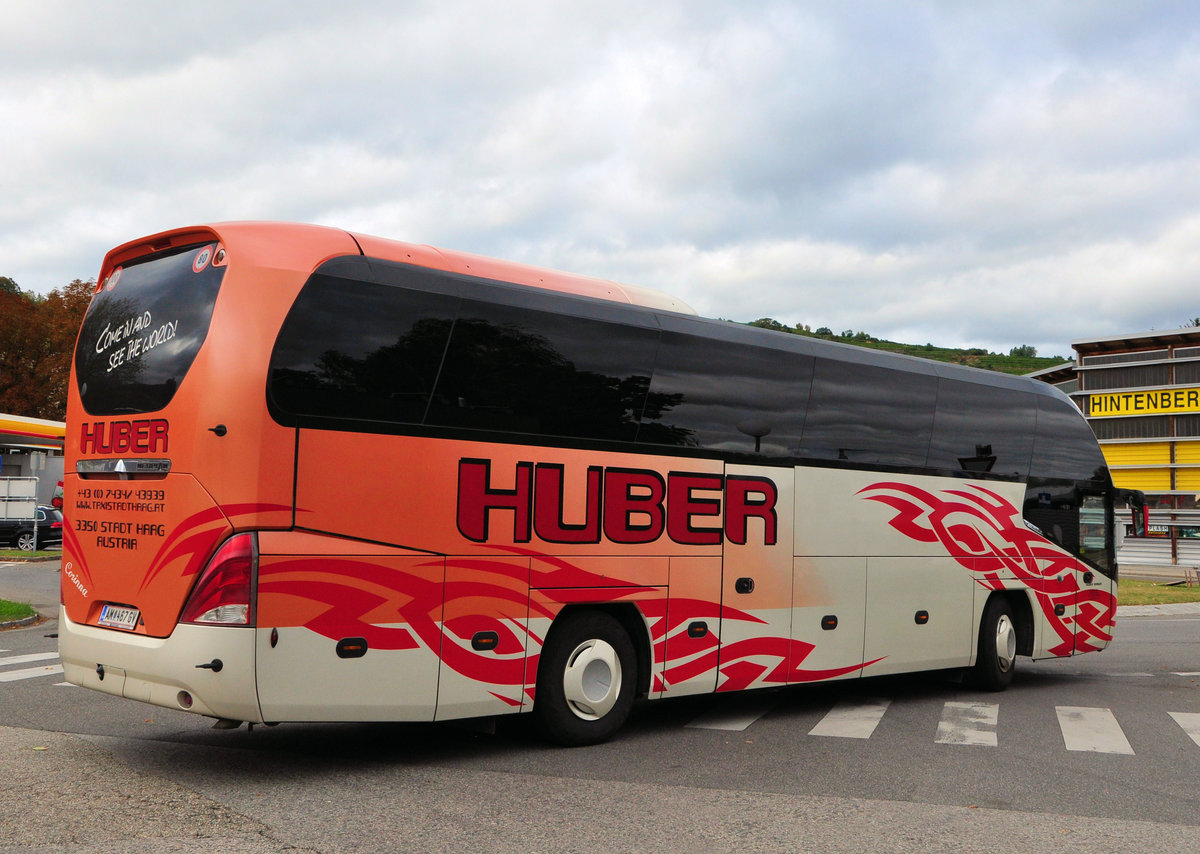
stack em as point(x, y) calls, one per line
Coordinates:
point(1075, 602)
point(346, 637)
point(1077, 606)
point(1096, 602)
point(756, 580)
point(1095, 609)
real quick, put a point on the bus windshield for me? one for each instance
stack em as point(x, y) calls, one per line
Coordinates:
point(143, 329)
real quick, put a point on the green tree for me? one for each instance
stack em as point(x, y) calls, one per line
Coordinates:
point(1025, 351)
point(770, 323)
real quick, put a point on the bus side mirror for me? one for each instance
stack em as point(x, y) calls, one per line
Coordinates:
point(1136, 500)
point(1141, 521)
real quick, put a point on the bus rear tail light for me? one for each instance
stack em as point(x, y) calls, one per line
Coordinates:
point(223, 596)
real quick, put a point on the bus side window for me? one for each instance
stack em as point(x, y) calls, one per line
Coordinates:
point(360, 350)
point(980, 429)
point(1070, 517)
point(725, 395)
point(1054, 510)
point(513, 369)
point(1064, 446)
point(865, 413)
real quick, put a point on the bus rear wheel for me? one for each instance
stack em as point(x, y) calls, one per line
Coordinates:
point(997, 655)
point(586, 679)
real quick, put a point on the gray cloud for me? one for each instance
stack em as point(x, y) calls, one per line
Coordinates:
point(982, 174)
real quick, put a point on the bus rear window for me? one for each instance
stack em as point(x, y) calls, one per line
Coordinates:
point(144, 328)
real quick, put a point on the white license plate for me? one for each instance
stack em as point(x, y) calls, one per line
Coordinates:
point(119, 617)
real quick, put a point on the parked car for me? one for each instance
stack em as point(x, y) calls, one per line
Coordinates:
point(20, 535)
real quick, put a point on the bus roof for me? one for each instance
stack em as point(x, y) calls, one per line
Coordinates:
point(324, 242)
point(522, 274)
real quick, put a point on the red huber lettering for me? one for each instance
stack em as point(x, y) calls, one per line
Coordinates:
point(147, 436)
point(627, 506)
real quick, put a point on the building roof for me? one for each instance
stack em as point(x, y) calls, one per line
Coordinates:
point(1054, 373)
point(1188, 335)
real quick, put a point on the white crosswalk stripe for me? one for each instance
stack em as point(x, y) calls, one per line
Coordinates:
point(731, 719)
point(1083, 729)
point(852, 720)
point(1094, 730)
point(969, 723)
point(1190, 722)
point(29, 672)
point(28, 657)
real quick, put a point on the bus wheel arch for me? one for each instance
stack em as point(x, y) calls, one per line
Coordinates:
point(998, 644)
point(589, 672)
point(1022, 613)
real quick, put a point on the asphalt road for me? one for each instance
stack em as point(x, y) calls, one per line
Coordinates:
point(1100, 752)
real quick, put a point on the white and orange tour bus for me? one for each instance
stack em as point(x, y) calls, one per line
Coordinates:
point(320, 476)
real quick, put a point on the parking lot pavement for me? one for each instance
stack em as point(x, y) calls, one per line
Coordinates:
point(32, 582)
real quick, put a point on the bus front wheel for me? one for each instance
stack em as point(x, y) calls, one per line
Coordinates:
point(997, 658)
point(586, 679)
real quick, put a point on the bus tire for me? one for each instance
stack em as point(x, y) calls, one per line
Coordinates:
point(586, 679)
point(997, 654)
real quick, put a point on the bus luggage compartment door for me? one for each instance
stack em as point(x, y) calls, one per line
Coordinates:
point(348, 638)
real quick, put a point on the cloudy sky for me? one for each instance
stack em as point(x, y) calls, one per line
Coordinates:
point(978, 174)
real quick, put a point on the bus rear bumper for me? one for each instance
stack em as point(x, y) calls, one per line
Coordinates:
point(168, 671)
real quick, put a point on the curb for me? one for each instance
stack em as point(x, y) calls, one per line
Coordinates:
point(31, 620)
point(1187, 608)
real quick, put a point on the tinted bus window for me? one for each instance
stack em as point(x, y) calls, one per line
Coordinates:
point(1054, 510)
point(982, 429)
point(1064, 446)
point(725, 395)
point(516, 369)
point(361, 350)
point(143, 330)
point(864, 413)
point(1072, 518)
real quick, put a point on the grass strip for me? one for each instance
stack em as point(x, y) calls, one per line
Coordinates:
point(1149, 593)
point(10, 611)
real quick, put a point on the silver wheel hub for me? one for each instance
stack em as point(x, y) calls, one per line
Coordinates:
point(1006, 643)
point(592, 679)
